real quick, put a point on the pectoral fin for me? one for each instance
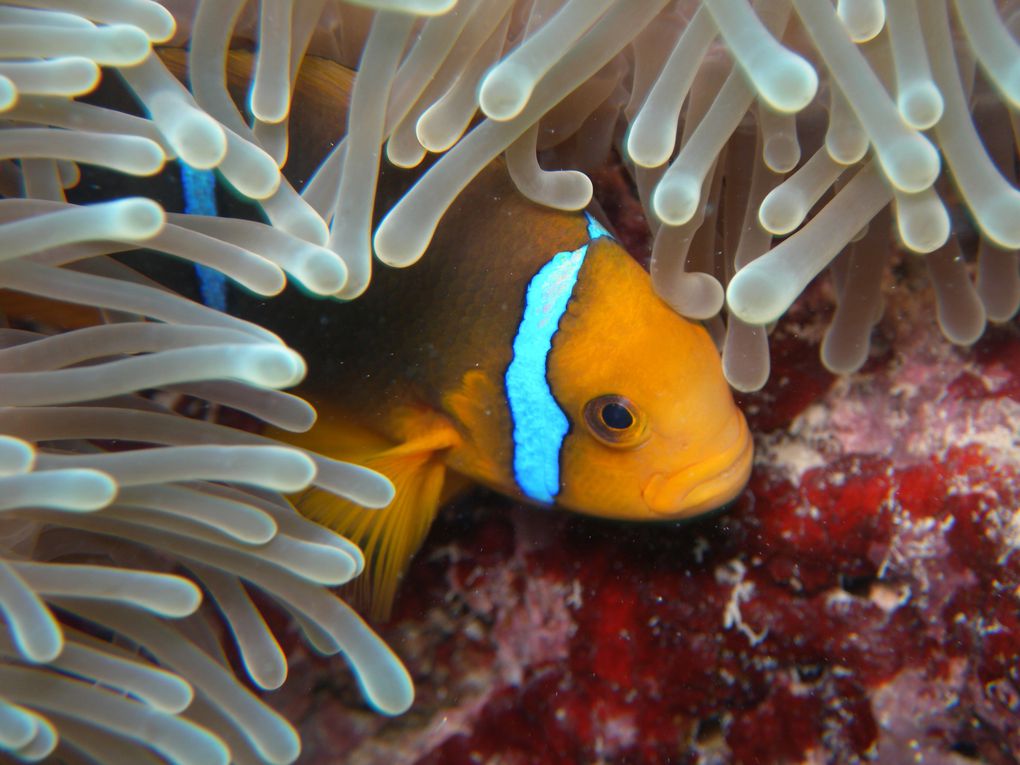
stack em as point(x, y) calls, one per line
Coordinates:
point(478, 404)
point(391, 536)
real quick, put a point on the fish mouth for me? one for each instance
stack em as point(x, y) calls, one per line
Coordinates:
point(707, 484)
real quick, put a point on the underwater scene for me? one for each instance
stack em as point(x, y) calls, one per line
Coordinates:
point(509, 382)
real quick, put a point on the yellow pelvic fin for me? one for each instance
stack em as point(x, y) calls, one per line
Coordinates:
point(391, 536)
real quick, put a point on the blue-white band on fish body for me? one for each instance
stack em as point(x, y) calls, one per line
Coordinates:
point(539, 424)
point(199, 188)
point(596, 229)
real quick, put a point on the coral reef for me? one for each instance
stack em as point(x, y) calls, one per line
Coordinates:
point(858, 603)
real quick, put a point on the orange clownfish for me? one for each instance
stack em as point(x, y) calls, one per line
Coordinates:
point(526, 351)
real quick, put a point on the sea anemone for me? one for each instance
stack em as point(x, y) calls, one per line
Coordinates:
point(119, 516)
point(762, 142)
point(765, 143)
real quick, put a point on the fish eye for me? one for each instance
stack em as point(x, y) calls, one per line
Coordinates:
point(615, 421)
point(616, 416)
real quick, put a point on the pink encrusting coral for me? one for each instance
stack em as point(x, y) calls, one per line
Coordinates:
point(859, 602)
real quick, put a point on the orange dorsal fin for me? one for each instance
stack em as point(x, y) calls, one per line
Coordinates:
point(391, 536)
point(20, 306)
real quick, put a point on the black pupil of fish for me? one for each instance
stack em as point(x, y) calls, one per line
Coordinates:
point(617, 417)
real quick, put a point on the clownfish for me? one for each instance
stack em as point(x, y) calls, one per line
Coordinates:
point(526, 351)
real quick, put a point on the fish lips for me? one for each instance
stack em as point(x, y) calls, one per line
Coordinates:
point(706, 484)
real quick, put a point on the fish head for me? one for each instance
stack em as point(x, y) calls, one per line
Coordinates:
point(654, 431)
